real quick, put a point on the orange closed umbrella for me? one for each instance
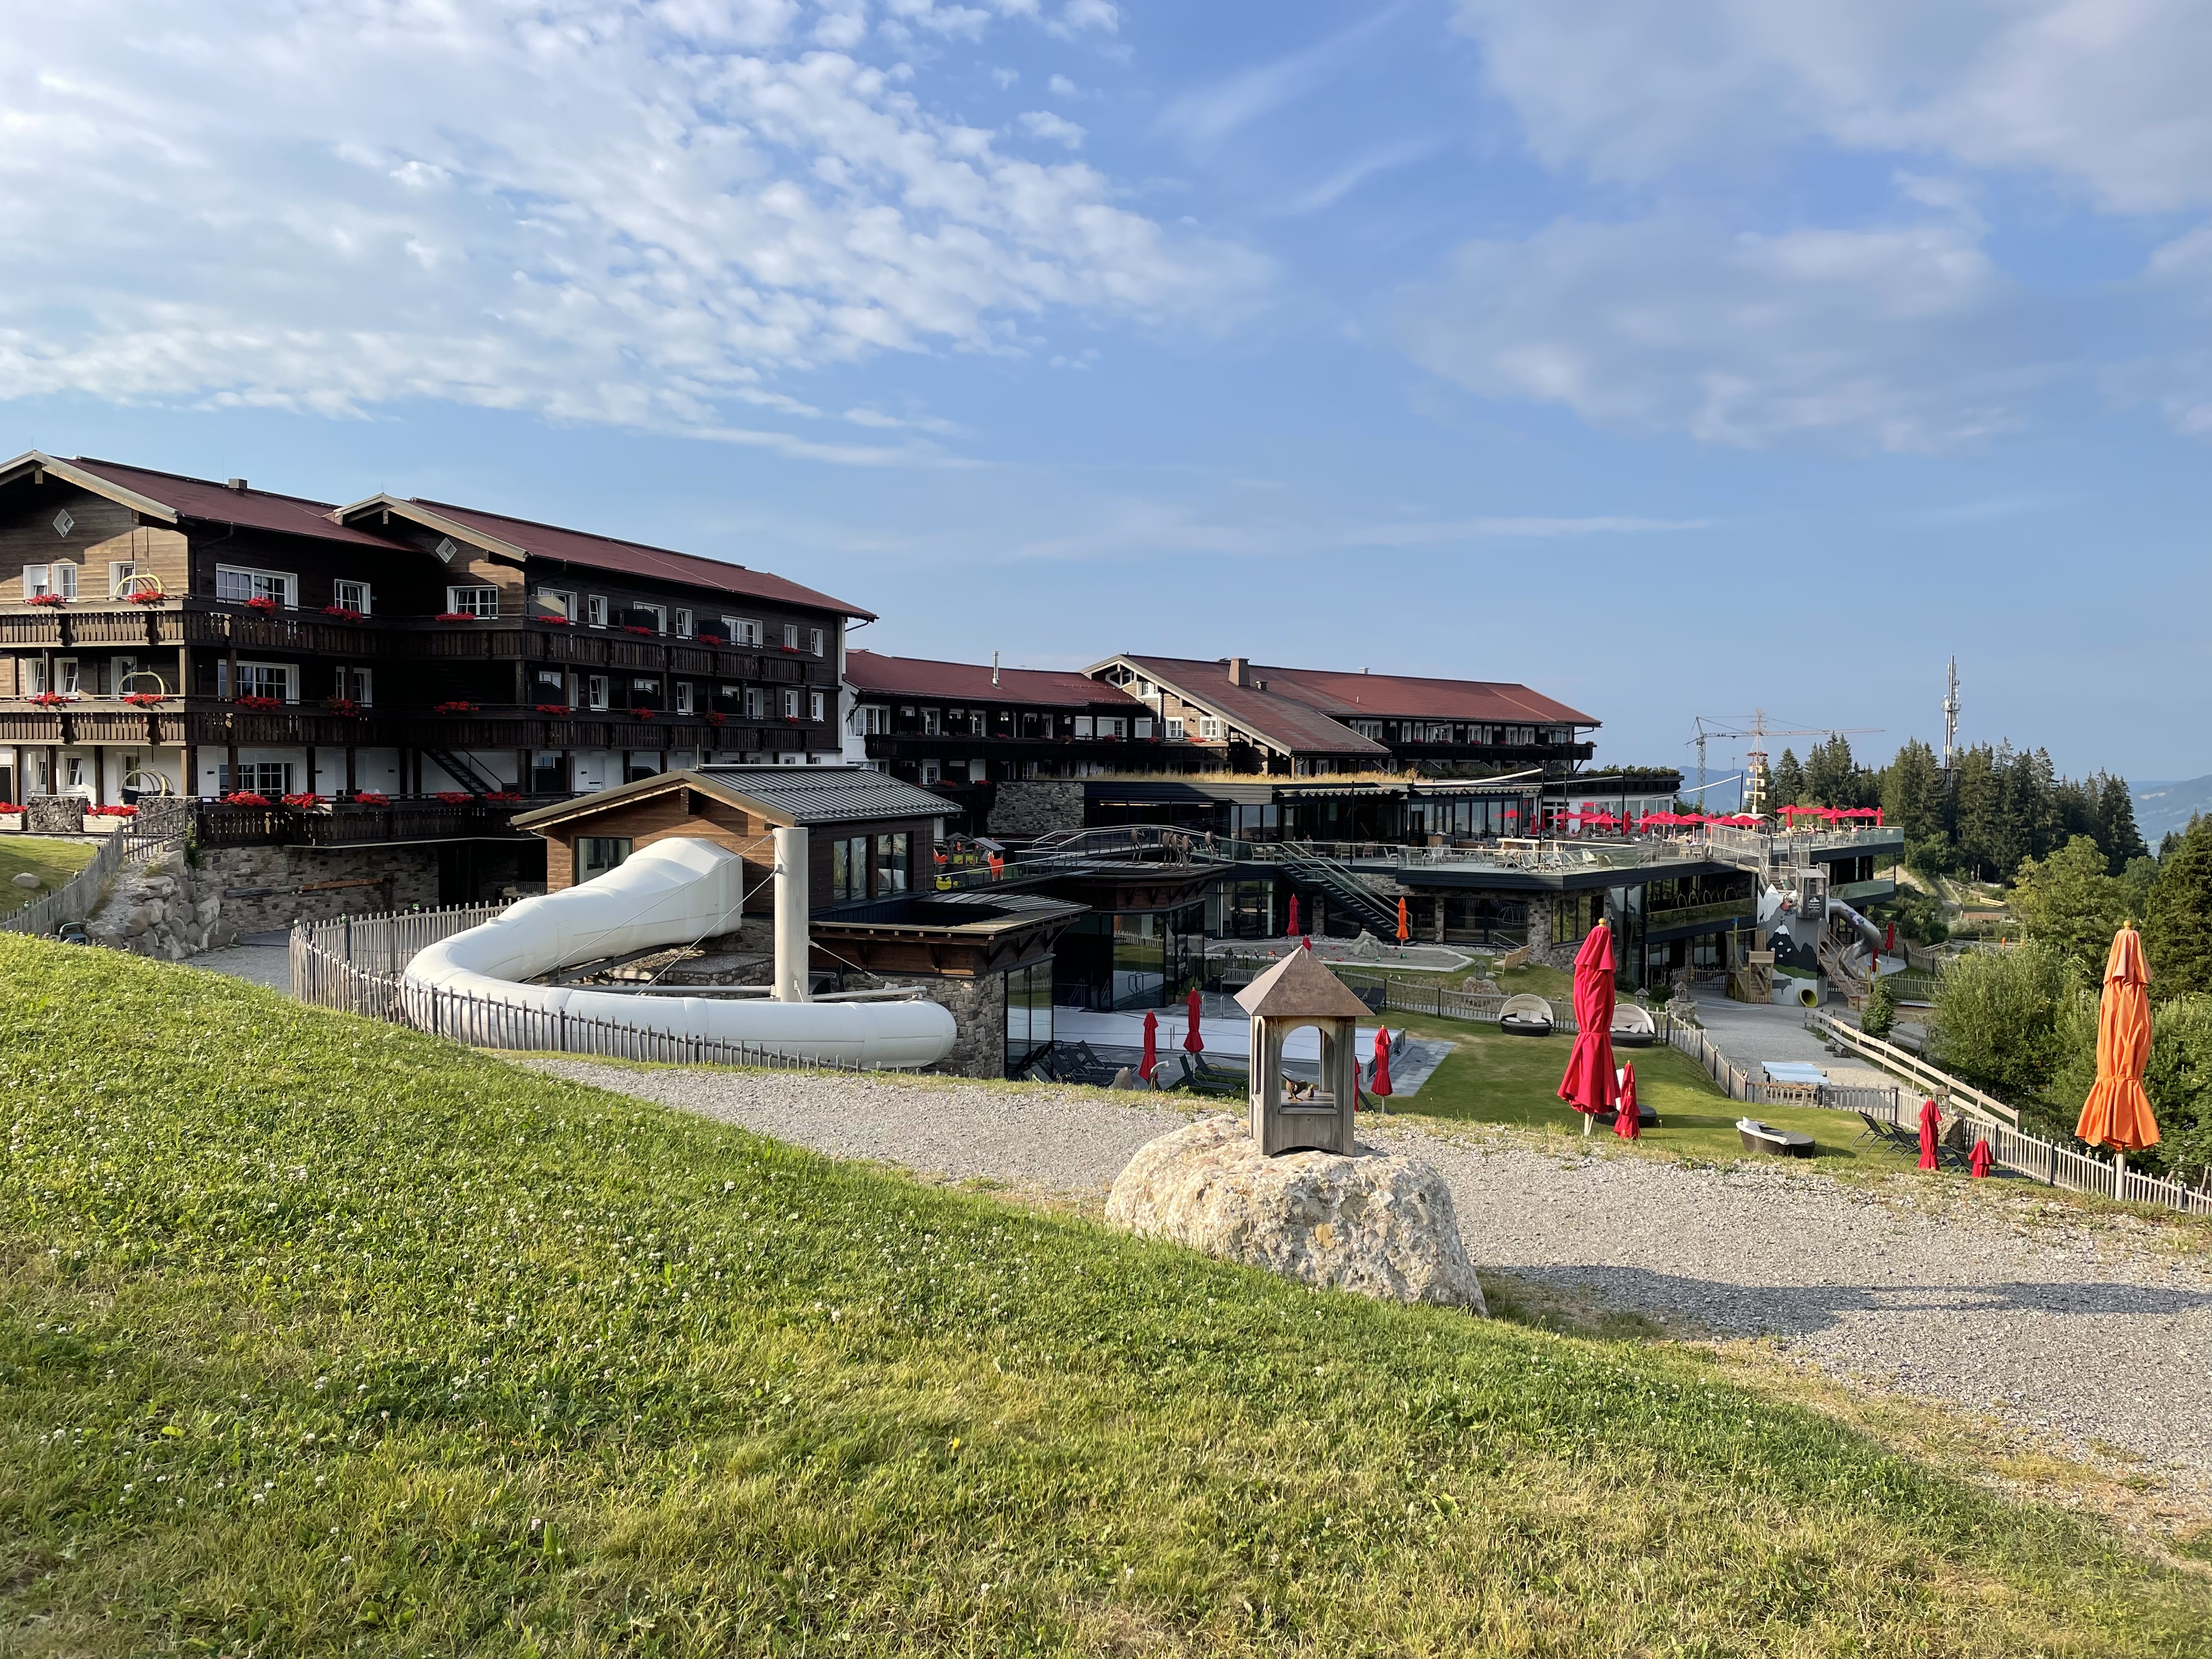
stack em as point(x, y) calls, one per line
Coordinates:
point(2118, 1112)
point(1404, 931)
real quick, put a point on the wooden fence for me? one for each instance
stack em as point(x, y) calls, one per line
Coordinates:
point(75, 898)
point(2072, 1169)
point(357, 965)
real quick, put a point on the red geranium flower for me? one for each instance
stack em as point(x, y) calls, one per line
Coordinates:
point(456, 616)
point(553, 708)
point(115, 812)
point(371, 797)
point(558, 622)
point(262, 602)
point(641, 713)
point(712, 639)
point(455, 796)
point(146, 699)
point(260, 703)
point(52, 699)
point(304, 800)
point(632, 627)
point(147, 596)
point(345, 613)
point(504, 797)
point(54, 599)
point(455, 706)
point(245, 797)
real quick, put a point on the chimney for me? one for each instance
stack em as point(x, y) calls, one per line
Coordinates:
point(1236, 667)
point(239, 484)
point(994, 668)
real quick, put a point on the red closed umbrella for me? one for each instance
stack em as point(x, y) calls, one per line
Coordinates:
point(1589, 1085)
point(1930, 1120)
point(1889, 938)
point(1979, 1160)
point(1381, 1085)
point(1293, 927)
point(1405, 933)
point(1628, 1123)
point(1304, 944)
point(1151, 1055)
point(1193, 1042)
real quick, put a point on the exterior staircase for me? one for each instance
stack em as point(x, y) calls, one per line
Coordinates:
point(463, 772)
point(1312, 869)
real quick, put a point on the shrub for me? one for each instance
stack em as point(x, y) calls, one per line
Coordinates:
point(1996, 1023)
point(1880, 1015)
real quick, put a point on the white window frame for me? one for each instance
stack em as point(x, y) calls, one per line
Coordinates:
point(683, 623)
point(68, 680)
point(287, 677)
point(597, 690)
point(1209, 728)
point(814, 637)
point(871, 720)
point(814, 707)
point(1144, 728)
point(1084, 725)
point(595, 610)
point(791, 636)
point(119, 571)
point(64, 579)
point(363, 681)
point(473, 594)
point(682, 696)
point(660, 614)
point(557, 602)
point(742, 630)
point(246, 583)
point(353, 596)
point(37, 579)
point(930, 772)
point(791, 702)
point(1174, 730)
point(756, 704)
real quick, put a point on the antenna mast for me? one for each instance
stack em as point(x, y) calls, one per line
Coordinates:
point(1951, 717)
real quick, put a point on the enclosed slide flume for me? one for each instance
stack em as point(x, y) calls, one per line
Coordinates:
point(669, 893)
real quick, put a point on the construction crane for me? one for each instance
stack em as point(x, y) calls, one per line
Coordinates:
point(1756, 773)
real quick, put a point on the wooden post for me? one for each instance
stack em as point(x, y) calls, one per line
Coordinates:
point(351, 787)
point(311, 769)
point(98, 773)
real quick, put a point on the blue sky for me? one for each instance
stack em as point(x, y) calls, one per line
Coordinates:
point(1673, 360)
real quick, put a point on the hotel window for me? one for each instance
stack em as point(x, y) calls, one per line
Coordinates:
point(119, 571)
point(742, 630)
point(849, 868)
point(50, 579)
point(473, 601)
point(756, 704)
point(1113, 726)
point(65, 676)
point(682, 624)
point(684, 697)
point(1084, 723)
point(644, 693)
point(238, 584)
point(1209, 729)
point(933, 722)
point(814, 641)
point(791, 636)
point(891, 863)
point(871, 720)
point(554, 602)
point(356, 684)
point(929, 772)
point(791, 702)
point(354, 596)
point(268, 679)
point(1175, 730)
point(270, 778)
point(814, 705)
point(597, 684)
point(595, 610)
point(597, 854)
point(1144, 728)
point(654, 617)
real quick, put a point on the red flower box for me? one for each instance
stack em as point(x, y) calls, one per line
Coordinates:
point(245, 797)
point(641, 713)
point(455, 796)
point(456, 616)
point(264, 603)
point(716, 717)
point(111, 812)
point(262, 703)
point(8, 806)
point(454, 707)
point(791, 648)
point(54, 599)
point(553, 708)
point(371, 797)
point(343, 707)
point(504, 797)
point(712, 639)
point(146, 699)
point(147, 596)
point(52, 699)
point(345, 613)
point(558, 622)
point(307, 800)
point(632, 627)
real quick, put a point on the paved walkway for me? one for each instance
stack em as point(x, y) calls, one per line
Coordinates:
point(2077, 1330)
point(1750, 1034)
point(261, 964)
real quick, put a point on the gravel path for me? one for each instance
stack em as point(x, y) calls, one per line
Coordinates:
point(2081, 1331)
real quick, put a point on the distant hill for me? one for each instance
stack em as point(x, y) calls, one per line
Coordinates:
point(2163, 806)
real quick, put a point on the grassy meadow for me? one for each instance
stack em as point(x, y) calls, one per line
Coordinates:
point(321, 1337)
point(53, 861)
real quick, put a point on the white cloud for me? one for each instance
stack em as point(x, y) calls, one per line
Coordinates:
point(1044, 124)
point(2107, 95)
point(1061, 87)
point(1904, 339)
point(1208, 114)
point(1079, 16)
point(563, 206)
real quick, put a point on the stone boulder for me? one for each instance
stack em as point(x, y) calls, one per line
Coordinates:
point(1378, 1224)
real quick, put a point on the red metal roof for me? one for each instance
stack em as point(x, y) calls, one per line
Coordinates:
point(872, 673)
point(1404, 696)
point(203, 498)
point(549, 541)
point(1289, 722)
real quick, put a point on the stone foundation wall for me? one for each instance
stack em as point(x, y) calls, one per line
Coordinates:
point(979, 1017)
point(1541, 951)
point(166, 910)
point(414, 870)
point(1026, 808)
point(54, 815)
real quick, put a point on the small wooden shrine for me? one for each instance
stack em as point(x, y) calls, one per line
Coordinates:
point(1299, 991)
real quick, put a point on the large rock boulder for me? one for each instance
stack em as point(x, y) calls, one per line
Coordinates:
point(1381, 1225)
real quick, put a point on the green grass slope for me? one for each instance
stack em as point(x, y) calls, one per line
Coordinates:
point(320, 1337)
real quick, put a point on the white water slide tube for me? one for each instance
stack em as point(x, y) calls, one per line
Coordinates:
point(677, 891)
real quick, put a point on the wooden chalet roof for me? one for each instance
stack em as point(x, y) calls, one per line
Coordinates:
point(1401, 696)
point(1280, 720)
point(786, 795)
point(1299, 988)
point(173, 496)
point(873, 674)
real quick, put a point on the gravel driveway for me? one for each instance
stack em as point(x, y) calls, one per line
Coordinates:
point(2095, 1330)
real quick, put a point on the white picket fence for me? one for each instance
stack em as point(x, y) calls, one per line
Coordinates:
point(357, 965)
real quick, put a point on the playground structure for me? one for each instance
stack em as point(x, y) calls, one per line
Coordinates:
point(675, 892)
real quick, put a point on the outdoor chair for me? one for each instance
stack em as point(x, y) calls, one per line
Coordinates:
point(1525, 1015)
point(1201, 1078)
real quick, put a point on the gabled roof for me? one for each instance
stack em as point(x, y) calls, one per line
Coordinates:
point(784, 795)
point(172, 496)
point(1299, 988)
point(1394, 697)
point(873, 674)
point(526, 538)
point(1280, 720)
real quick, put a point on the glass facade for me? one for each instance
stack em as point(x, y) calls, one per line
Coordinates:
point(1131, 959)
point(1028, 1015)
point(597, 854)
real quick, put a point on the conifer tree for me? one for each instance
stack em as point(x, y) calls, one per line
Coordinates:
point(1787, 787)
point(2116, 811)
point(2178, 931)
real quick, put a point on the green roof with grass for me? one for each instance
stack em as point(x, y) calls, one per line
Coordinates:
point(322, 1337)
